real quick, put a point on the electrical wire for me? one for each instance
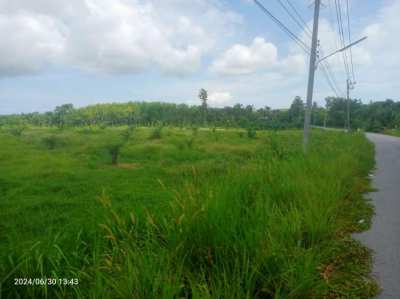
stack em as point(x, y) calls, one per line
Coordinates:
point(293, 36)
point(349, 31)
point(325, 67)
point(298, 23)
point(339, 19)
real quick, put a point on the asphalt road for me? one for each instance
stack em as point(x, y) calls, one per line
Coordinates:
point(384, 236)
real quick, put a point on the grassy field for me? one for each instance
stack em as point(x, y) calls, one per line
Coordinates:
point(183, 213)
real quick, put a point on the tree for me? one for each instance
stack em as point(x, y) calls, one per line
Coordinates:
point(296, 112)
point(203, 95)
point(61, 113)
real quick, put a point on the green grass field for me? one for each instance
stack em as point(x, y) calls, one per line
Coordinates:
point(183, 213)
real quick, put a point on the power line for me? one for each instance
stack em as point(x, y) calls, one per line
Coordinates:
point(349, 30)
point(307, 29)
point(331, 79)
point(339, 19)
point(325, 66)
point(326, 69)
point(293, 36)
point(299, 23)
point(332, 21)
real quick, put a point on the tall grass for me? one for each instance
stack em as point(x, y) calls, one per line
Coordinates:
point(272, 227)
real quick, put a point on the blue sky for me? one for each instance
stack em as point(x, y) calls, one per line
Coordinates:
point(90, 51)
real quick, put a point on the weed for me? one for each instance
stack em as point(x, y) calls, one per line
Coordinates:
point(251, 133)
point(195, 131)
point(114, 150)
point(52, 141)
point(157, 133)
point(233, 219)
point(17, 130)
point(128, 133)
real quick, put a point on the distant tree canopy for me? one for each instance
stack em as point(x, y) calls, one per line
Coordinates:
point(374, 116)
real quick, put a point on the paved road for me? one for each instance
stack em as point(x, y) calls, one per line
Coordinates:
point(384, 236)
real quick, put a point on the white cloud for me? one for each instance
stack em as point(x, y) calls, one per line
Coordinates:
point(220, 99)
point(260, 56)
point(27, 43)
point(119, 36)
point(242, 60)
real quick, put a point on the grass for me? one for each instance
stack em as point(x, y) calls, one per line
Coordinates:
point(392, 132)
point(190, 213)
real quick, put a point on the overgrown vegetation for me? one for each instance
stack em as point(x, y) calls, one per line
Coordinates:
point(16, 130)
point(231, 217)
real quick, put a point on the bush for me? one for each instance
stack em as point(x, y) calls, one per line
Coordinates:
point(51, 142)
point(157, 133)
point(190, 142)
point(251, 133)
point(128, 133)
point(17, 131)
point(114, 150)
point(195, 131)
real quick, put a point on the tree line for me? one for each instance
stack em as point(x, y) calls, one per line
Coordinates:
point(374, 116)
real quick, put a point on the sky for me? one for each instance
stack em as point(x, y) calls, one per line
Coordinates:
point(94, 51)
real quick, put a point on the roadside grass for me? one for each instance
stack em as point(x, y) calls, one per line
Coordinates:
point(392, 132)
point(203, 214)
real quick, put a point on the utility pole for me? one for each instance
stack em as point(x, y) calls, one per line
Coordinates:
point(348, 106)
point(311, 76)
point(349, 87)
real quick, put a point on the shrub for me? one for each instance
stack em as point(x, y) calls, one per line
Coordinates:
point(51, 142)
point(17, 131)
point(85, 130)
point(157, 133)
point(114, 150)
point(128, 133)
point(195, 131)
point(190, 142)
point(215, 133)
point(251, 133)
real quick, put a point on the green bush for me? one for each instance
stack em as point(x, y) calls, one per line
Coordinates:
point(156, 133)
point(190, 142)
point(52, 141)
point(128, 133)
point(251, 133)
point(195, 131)
point(114, 151)
point(17, 131)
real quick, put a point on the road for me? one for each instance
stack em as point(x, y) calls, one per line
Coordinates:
point(384, 236)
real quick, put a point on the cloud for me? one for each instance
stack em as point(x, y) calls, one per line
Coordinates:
point(220, 99)
point(119, 36)
point(27, 43)
point(260, 56)
point(242, 60)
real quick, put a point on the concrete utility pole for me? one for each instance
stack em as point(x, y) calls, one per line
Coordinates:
point(350, 86)
point(311, 76)
point(348, 106)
